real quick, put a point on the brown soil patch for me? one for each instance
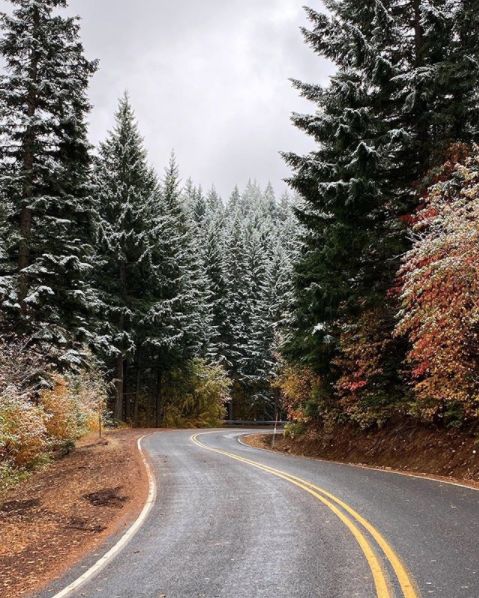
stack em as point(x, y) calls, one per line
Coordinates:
point(450, 455)
point(67, 509)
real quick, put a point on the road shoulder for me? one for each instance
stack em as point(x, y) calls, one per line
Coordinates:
point(68, 510)
point(452, 459)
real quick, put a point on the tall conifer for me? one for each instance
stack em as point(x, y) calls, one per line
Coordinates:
point(44, 162)
point(126, 191)
point(405, 89)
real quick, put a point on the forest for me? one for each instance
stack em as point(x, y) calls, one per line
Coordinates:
point(130, 295)
point(384, 317)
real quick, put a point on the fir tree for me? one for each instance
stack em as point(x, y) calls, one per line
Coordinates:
point(234, 202)
point(126, 192)
point(271, 207)
point(177, 324)
point(199, 206)
point(214, 203)
point(395, 104)
point(44, 160)
point(211, 239)
point(256, 361)
point(246, 249)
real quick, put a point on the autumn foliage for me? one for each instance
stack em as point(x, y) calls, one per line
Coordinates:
point(197, 396)
point(297, 386)
point(434, 309)
point(41, 411)
point(366, 391)
point(440, 295)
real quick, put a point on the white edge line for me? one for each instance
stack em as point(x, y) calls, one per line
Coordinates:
point(127, 536)
point(358, 466)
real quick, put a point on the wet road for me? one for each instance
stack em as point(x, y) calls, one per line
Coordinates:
point(231, 521)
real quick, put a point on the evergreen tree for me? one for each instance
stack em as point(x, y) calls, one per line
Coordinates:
point(234, 202)
point(178, 323)
point(126, 192)
point(214, 203)
point(271, 207)
point(245, 250)
point(47, 235)
point(258, 276)
point(405, 88)
point(256, 361)
point(189, 195)
point(237, 296)
point(199, 207)
point(211, 238)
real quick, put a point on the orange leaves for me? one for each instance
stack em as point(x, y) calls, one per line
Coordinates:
point(296, 386)
point(36, 418)
point(361, 386)
point(354, 386)
point(58, 405)
point(22, 430)
point(440, 291)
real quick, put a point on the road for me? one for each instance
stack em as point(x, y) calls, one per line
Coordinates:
point(231, 521)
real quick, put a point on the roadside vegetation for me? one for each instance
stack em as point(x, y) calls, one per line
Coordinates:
point(42, 412)
point(384, 325)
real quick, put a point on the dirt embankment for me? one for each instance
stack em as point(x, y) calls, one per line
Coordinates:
point(67, 509)
point(409, 448)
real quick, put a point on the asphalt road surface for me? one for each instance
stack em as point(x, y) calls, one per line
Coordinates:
point(231, 521)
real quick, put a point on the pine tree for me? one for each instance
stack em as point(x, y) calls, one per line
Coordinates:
point(245, 251)
point(236, 325)
point(211, 244)
point(44, 163)
point(234, 202)
point(177, 325)
point(256, 361)
point(404, 90)
point(214, 203)
point(199, 207)
point(126, 192)
point(258, 253)
point(189, 195)
point(271, 207)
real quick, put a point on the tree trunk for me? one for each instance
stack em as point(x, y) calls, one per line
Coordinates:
point(118, 412)
point(120, 374)
point(148, 411)
point(127, 395)
point(137, 393)
point(158, 399)
point(276, 404)
point(418, 33)
point(424, 153)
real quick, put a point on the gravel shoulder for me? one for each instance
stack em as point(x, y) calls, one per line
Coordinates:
point(66, 510)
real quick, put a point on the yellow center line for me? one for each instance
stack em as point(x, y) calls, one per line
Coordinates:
point(381, 583)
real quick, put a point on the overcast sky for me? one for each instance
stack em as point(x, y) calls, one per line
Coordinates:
point(207, 78)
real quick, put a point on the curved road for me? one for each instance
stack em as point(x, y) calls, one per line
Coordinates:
point(231, 521)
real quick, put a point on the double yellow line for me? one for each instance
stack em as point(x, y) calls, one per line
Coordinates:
point(348, 516)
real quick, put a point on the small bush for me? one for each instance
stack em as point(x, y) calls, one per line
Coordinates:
point(10, 476)
point(42, 412)
point(199, 401)
point(297, 386)
point(23, 429)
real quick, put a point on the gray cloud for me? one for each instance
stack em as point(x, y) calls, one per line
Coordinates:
point(208, 78)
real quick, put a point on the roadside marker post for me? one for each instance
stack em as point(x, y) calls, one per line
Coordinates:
point(275, 430)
